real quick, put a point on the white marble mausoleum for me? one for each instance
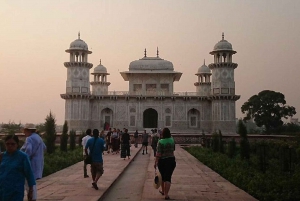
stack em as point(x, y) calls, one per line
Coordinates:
point(151, 101)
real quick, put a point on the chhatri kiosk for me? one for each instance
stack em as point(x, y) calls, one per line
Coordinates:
point(151, 101)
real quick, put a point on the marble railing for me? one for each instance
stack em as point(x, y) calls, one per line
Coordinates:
point(151, 93)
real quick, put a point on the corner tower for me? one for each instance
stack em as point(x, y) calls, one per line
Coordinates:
point(77, 85)
point(203, 85)
point(223, 87)
point(100, 84)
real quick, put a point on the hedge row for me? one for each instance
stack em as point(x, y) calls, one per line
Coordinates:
point(273, 185)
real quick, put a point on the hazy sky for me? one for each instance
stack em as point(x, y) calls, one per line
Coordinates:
point(35, 34)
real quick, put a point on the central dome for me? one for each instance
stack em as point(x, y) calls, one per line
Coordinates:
point(151, 63)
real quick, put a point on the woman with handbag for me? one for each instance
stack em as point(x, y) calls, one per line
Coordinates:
point(165, 161)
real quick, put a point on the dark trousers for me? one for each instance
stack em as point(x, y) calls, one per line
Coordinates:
point(166, 167)
point(84, 166)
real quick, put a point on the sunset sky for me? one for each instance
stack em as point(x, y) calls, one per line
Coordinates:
point(35, 34)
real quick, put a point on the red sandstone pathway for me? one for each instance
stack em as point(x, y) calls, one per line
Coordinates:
point(191, 181)
point(69, 184)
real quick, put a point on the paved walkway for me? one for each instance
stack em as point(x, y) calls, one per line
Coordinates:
point(191, 181)
point(69, 184)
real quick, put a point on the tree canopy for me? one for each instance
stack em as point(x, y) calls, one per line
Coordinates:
point(267, 108)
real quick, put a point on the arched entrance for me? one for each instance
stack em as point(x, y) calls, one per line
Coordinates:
point(106, 119)
point(150, 118)
point(194, 118)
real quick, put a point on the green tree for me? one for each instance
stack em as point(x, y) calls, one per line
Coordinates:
point(267, 108)
point(50, 133)
point(64, 138)
point(72, 139)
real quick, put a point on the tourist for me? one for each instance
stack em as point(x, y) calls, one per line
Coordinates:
point(34, 147)
point(114, 141)
point(165, 161)
point(88, 133)
point(145, 137)
point(136, 138)
point(96, 147)
point(102, 135)
point(154, 141)
point(159, 133)
point(125, 146)
point(108, 140)
point(14, 169)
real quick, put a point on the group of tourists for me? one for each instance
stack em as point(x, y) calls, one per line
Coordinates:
point(162, 143)
point(95, 145)
point(19, 169)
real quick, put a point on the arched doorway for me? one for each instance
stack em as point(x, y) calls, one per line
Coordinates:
point(150, 118)
point(106, 119)
point(194, 118)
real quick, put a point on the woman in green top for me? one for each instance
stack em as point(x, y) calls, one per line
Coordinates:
point(165, 161)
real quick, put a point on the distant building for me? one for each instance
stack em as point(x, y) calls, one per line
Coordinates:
point(151, 101)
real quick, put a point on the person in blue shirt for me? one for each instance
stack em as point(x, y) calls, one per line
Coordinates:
point(14, 169)
point(96, 147)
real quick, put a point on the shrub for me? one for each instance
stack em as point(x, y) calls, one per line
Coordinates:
point(50, 133)
point(60, 160)
point(244, 143)
point(221, 142)
point(72, 139)
point(80, 138)
point(215, 142)
point(232, 148)
point(64, 138)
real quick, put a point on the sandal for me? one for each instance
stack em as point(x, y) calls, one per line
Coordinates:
point(167, 198)
point(162, 193)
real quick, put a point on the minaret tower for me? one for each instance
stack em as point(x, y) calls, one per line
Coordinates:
point(203, 85)
point(77, 86)
point(100, 84)
point(223, 87)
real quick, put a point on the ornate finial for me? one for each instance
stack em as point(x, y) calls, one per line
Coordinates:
point(79, 35)
point(157, 52)
point(145, 53)
point(100, 61)
point(222, 35)
point(204, 61)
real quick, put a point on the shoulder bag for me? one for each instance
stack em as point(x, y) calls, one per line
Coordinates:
point(88, 159)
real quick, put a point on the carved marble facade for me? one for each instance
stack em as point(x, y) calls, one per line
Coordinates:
point(151, 101)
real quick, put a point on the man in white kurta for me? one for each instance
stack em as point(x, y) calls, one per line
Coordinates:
point(34, 147)
point(84, 141)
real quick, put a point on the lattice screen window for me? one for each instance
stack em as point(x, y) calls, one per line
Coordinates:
point(168, 121)
point(193, 121)
point(132, 121)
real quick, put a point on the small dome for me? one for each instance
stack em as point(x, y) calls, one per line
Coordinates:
point(100, 69)
point(203, 69)
point(79, 44)
point(223, 45)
